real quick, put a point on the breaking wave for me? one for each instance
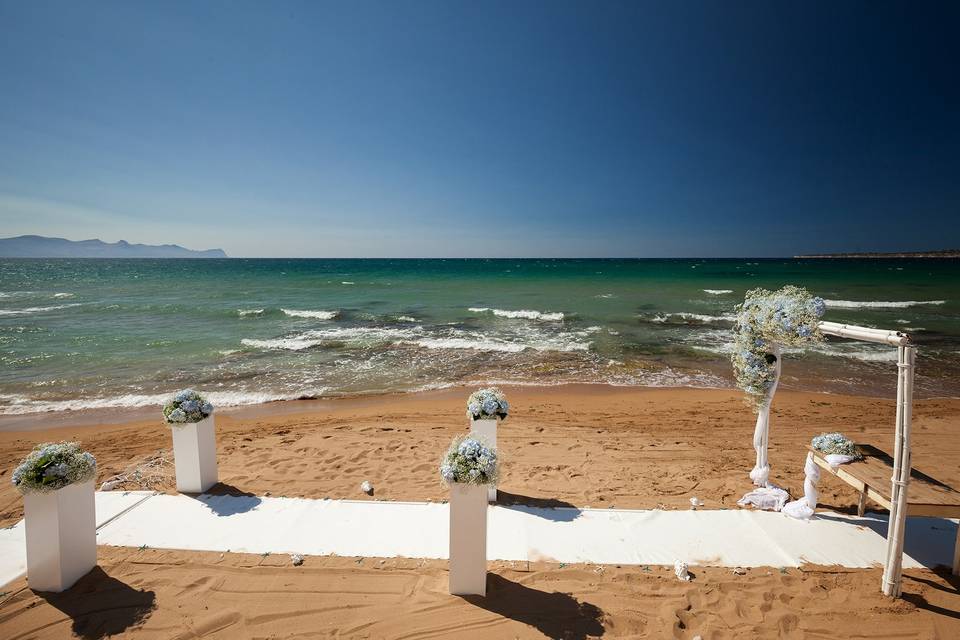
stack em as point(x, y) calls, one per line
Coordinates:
point(524, 314)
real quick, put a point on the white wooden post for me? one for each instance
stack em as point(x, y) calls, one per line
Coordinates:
point(61, 536)
point(900, 482)
point(761, 434)
point(468, 539)
point(486, 431)
point(195, 455)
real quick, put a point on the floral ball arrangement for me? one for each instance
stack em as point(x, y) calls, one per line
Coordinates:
point(788, 317)
point(186, 406)
point(53, 466)
point(469, 461)
point(487, 404)
point(836, 443)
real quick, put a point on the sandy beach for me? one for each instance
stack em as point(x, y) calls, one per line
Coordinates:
point(589, 445)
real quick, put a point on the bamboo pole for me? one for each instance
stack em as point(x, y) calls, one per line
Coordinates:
point(883, 336)
point(893, 570)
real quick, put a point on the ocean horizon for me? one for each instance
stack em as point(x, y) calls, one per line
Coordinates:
point(100, 333)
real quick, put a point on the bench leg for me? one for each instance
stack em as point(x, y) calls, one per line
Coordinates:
point(956, 554)
point(862, 505)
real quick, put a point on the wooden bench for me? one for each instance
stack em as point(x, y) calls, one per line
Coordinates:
point(871, 477)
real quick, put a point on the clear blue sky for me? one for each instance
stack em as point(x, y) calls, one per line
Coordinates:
point(417, 128)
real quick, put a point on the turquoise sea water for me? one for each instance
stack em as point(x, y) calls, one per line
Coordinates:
point(99, 333)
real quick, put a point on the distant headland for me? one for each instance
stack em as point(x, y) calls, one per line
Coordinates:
point(43, 247)
point(944, 253)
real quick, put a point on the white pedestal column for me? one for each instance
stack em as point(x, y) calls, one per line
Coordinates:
point(61, 533)
point(195, 455)
point(468, 539)
point(761, 434)
point(486, 430)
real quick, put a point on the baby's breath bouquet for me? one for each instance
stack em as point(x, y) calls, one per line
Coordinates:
point(789, 317)
point(469, 461)
point(53, 466)
point(186, 406)
point(488, 404)
point(836, 443)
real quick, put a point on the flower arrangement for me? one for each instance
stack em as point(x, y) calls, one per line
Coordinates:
point(186, 406)
point(788, 317)
point(487, 404)
point(53, 466)
point(836, 443)
point(469, 461)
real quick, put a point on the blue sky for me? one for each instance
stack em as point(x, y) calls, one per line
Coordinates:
point(420, 128)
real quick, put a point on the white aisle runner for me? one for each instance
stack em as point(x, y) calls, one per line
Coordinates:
point(419, 530)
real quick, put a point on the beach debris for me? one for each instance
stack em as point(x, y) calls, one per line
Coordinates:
point(682, 570)
point(296, 559)
point(695, 502)
point(366, 487)
point(110, 485)
point(740, 571)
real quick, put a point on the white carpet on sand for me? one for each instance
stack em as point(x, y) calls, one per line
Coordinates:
point(249, 524)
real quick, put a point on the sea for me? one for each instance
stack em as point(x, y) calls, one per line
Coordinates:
point(100, 333)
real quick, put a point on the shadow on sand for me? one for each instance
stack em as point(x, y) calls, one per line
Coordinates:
point(227, 500)
point(556, 615)
point(547, 508)
point(102, 606)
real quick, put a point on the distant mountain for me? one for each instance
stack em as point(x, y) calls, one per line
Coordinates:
point(943, 253)
point(43, 247)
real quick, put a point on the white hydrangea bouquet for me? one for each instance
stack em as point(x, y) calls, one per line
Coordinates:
point(53, 466)
point(186, 406)
point(487, 404)
point(789, 317)
point(836, 444)
point(469, 461)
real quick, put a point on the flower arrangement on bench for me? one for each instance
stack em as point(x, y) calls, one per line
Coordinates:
point(838, 446)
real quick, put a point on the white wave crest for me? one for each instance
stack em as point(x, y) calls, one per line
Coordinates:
point(881, 304)
point(697, 317)
point(717, 292)
point(286, 344)
point(249, 312)
point(63, 295)
point(524, 314)
point(318, 315)
point(30, 310)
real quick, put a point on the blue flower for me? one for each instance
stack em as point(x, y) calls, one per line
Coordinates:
point(190, 406)
point(177, 415)
point(474, 408)
point(184, 395)
point(207, 408)
point(490, 406)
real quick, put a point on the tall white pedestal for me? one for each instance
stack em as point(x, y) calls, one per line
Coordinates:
point(195, 455)
point(468, 539)
point(486, 430)
point(61, 532)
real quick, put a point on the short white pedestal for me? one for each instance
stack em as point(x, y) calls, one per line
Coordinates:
point(486, 430)
point(195, 455)
point(468, 539)
point(61, 532)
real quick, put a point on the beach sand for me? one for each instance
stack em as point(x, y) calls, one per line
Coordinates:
point(588, 445)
